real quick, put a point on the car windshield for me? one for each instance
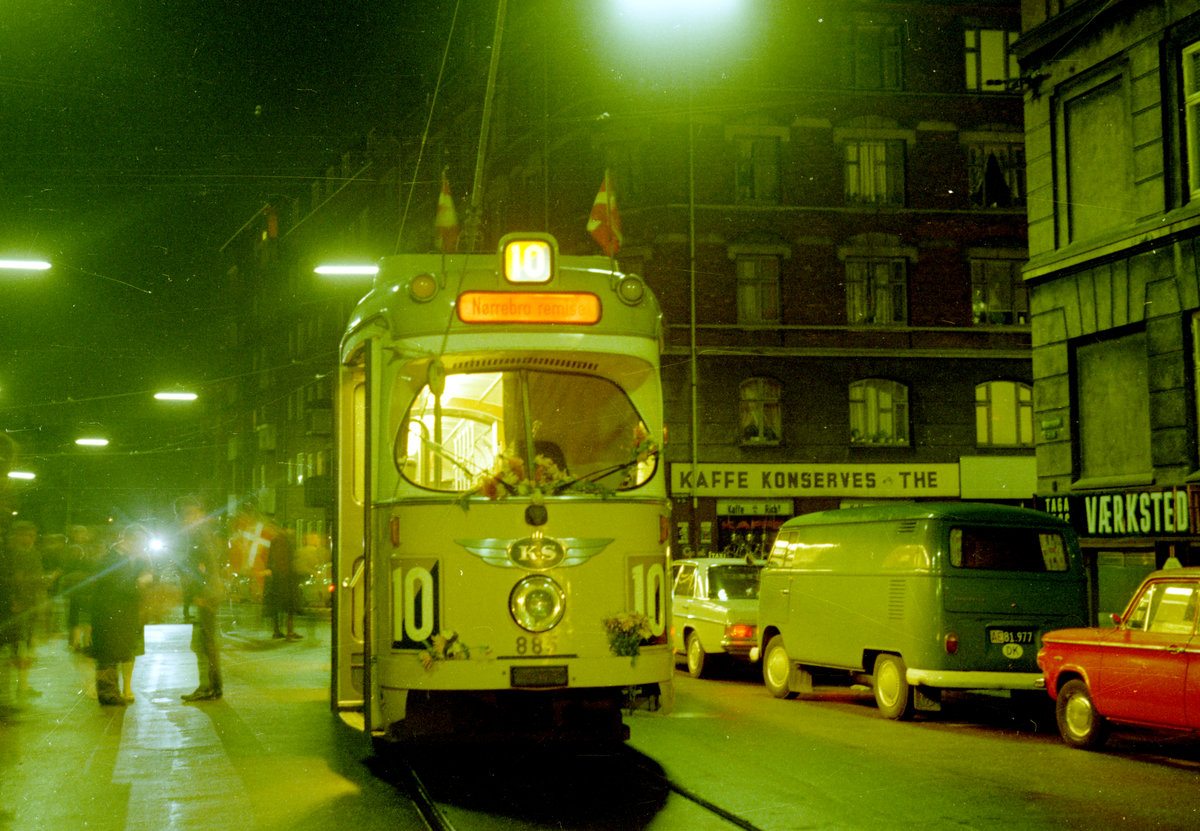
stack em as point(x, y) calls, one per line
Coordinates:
point(733, 582)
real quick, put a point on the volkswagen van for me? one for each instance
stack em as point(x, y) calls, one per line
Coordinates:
point(913, 599)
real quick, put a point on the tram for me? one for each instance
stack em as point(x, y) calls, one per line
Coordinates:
point(502, 513)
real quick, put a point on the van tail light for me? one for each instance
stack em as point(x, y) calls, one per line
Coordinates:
point(951, 643)
point(740, 631)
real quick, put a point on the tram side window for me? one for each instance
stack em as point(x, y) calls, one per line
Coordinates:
point(359, 477)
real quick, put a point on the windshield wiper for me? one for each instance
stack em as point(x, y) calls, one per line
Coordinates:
point(593, 477)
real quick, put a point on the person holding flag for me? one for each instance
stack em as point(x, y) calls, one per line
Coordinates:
point(604, 222)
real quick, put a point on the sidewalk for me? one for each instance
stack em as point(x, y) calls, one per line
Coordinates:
point(268, 755)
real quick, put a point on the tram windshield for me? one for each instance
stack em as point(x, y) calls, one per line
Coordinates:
point(510, 433)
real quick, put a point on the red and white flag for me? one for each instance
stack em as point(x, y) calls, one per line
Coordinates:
point(604, 222)
point(446, 221)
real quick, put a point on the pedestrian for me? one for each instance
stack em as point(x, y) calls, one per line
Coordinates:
point(79, 566)
point(21, 592)
point(202, 582)
point(282, 589)
point(79, 570)
point(118, 636)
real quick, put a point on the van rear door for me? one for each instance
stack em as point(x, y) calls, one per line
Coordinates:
point(1004, 586)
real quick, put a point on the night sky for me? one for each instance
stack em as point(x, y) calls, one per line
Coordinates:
point(136, 137)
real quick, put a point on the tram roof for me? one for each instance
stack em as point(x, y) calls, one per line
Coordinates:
point(967, 512)
point(391, 304)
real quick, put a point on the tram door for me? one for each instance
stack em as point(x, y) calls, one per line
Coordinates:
point(352, 543)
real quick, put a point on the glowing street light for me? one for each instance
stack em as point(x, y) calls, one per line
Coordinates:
point(175, 396)
point(94, 441)
point(672, 9)
point(24, 265)
point(349, 269)
point(24, 475)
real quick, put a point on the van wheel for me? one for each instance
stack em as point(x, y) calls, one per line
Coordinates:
point(893, 695)
point(695, 656)
point(1078, 721)
point(777, 669)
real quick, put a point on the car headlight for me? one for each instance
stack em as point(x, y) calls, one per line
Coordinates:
point(537, 603)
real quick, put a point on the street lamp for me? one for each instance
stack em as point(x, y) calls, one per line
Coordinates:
point(24, 265)
point(348, 270)
point(91, 441)
point(675, 8)
point(175, 396)
point(689, 16)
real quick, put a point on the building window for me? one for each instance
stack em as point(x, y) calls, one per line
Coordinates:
point(990, 59)
point(878, 412)
point(996, 173)
point(759, 414)
point(998, 294)
point(756, 175)
point(758, 289)
point(873, 60)
point(1096, 161)
point(1004, 414)
point(1112, 407)
point(875, 172)
point(1191, 113)
point(876, 291)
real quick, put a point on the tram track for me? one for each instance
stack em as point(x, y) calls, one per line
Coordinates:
point(436, 812)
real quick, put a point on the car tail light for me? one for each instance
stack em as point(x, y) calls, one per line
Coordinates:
point(740, 631)
point(951, 643)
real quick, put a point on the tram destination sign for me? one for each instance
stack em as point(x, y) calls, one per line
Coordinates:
point(528, 307)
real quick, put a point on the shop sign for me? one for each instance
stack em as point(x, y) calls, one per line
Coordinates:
point(726, 507)
point(788, 481)
point(1123, 514)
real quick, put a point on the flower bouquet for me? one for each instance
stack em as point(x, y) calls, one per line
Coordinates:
point(627, 633)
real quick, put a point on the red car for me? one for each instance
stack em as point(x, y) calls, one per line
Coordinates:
point(1146, 671)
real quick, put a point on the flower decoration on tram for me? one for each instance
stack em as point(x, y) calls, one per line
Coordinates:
point(446, 646)
point(627, 633)
point(510, 477)
point(643, 449)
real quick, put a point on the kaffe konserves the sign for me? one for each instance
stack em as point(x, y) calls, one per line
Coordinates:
point(798, 480)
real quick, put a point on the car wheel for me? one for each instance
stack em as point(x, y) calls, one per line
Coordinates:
point(777, 669)
point(893, 695)
point(1079, 723)
point(695, 656)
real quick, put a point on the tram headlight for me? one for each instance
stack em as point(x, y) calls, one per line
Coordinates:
point(423, 287)
point(537, 603)
point(631, 290)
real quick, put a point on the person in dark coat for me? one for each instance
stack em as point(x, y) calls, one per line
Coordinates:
point(118, 637)
point(282, 590)
point(20, 600)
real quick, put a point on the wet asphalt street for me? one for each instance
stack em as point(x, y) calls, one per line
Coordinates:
point(269, 755)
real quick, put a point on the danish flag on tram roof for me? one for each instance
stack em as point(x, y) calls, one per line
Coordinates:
point(446, 221)
point(604, 222)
